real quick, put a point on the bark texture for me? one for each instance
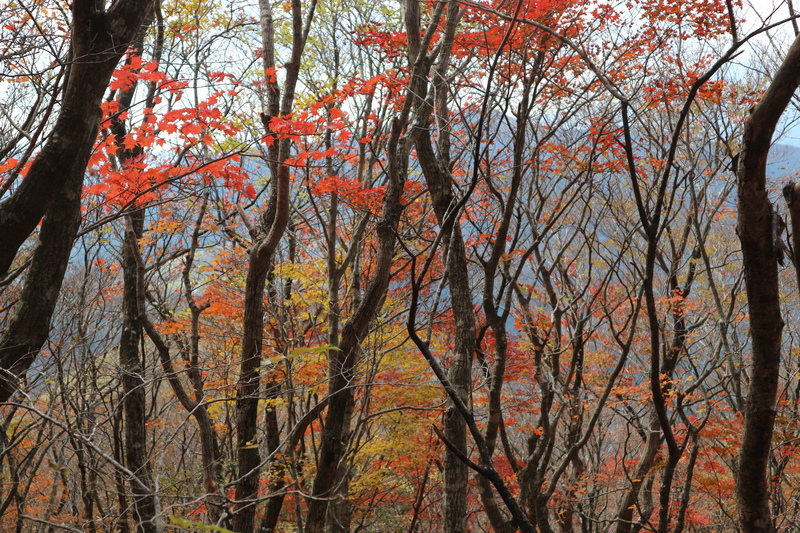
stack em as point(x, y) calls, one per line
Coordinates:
point(52, 186)
point(271, 228)
point(28, 330)
point(756, 228)
point(134, 403)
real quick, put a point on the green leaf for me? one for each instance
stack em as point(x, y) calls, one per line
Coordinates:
point(199, 526)
point(312, 350)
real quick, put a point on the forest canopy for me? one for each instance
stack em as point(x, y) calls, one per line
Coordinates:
point(419, 265)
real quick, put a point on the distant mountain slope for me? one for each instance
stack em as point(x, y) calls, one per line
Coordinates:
point(783, 164)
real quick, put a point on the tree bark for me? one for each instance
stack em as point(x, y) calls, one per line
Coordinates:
point(133, 382)
point(30, 326)
point(52, 186)
point(342, 364)
point(756, 229)
point(272, 226)
point(436, 169)
point(99, 39)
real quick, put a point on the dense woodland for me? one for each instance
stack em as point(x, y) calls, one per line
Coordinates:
point(421, 266)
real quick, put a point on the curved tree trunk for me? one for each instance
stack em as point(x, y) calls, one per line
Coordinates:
point(757, 227)
point(342, 362)
point(436, 169)
point(272, 226)
point(99, 39)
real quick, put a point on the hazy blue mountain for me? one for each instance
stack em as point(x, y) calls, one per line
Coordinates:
point(783, 164)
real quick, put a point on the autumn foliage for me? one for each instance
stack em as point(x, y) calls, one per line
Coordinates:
point(384, 239)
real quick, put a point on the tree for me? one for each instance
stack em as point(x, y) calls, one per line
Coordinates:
point(450, 267)
point(757, 228)
point(265, 240)
point(51, 188)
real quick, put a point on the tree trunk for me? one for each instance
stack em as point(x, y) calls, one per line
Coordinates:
point(342, 364)
point(757, 228)
point(248, 389)
point(98, 41)
point(436, 169)
point(133, 382)
point(30, 326)
point(455, 470)
point(272, 513)
point(629, 503)
point(272, 226)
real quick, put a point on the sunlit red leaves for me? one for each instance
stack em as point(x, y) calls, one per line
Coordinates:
point(142, 179)
point(670, 86)
point(487, 26)
point(232, 176)
point(352, 192)
point(197, 123)
point(8, 165)
point(314, 120)
point(140, 182)
point(133, 70)
point(372, 35)
point(689, 18)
